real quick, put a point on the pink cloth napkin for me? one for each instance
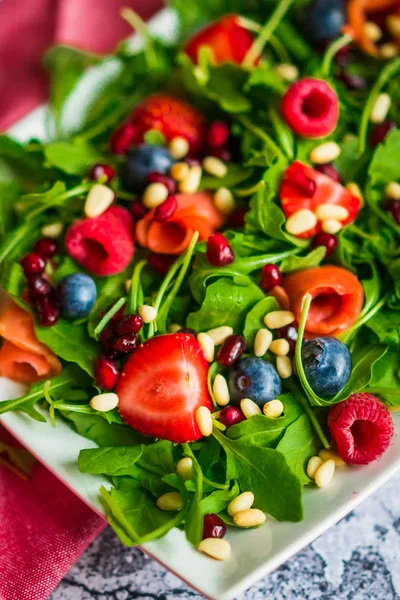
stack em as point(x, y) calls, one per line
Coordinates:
point(44, 527)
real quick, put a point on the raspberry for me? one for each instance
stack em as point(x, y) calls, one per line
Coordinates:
point(361, 428)
point(310, 107)
point(103, 245)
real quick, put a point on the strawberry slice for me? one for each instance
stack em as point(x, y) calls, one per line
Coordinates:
point(162, 385)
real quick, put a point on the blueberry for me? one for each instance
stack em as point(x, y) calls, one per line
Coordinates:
point(325, 19)
point(256, 379)
point(327, 365)
point(77, 295)
point(140, 162)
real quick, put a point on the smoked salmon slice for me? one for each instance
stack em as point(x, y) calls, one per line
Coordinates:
point(22, 357)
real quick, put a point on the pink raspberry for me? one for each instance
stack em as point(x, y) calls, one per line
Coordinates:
point(310, 107)
point(103, 245)
point(361, 427)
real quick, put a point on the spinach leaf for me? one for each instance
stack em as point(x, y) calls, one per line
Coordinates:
point(194, 514)
point(255, 318)
point(113, 461)
point(218, 501)
point(298, 445)
point(74, 157)
point(385, 378)
point(9, 192)
point(386, 325)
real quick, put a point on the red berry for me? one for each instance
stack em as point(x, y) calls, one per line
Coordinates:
point(126, 343)
point(46, 247)
point(121, 139)
point(48, 310)
point(236, 218)
point(219, 252)
point(361, 427)
point(352, 82)
point(102, 170)
point(222, 153)
point(330, 170)
point(395, 210)
point(130, 324)
point(213, 526)
point(33, 264)
point(38, 286)
point(326, 239)
point(165, 210)
point(289, 333)
point(270, 277)
point(137, 209)
point(380, 131)
point(106, 373)
point(298, 178)
point(310, 107)
point(103, 245)
point(169, 183)
point(217, 134)
point(231, 415)
point(231, 350)
point(161, 262)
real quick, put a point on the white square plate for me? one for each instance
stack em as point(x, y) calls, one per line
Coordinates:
point(255, 552)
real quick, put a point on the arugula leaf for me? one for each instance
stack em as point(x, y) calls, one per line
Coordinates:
point(113, 461)
point(96, 428)
point(298, 445)
point(235, 175)
point(385, 378)
point(9, 192)
point(297, 263)
point(218, 501)
point(74, 157)
point(255, 318)
point(194, 514)
point(386, 325)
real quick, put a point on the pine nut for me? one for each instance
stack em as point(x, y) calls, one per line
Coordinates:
point(216, 548)
point(221, 390)
point(54, 230)
point(325, 153)
point(252, 517)
point(179, 147)
point(262, 341)
point(355, 190)
point(273, 409)
point(147, 312)
point(331, 211)
point(128, 284)
point(325, 455)
point(300, 221)
point(174, 328)
point(278, 318)
point(104, 402)
point(99, 198)
point(154, 195)
point(190, 185)
point(372, 31)
point(392, 190)
point(170, 501)
point(241, 502)
point(287, 71)
point(280, 347)
point(313, 465)
point(381, 108)
point(214, 166)
point(284, 367)
point(207, 344)
point(179, 171)
point(249, 408)
point(219, 334)
point(325, 473)
point(204, 421)
point(393, 25)
point(331, 226)
point(184, 468)
point(224, 201)
point(388, 51)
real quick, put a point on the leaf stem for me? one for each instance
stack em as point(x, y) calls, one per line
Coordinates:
point(108, 316)
point(331, 52)
point(133, 297)
point(261, 134)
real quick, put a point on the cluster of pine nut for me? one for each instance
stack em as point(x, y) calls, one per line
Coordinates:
point(321, 468)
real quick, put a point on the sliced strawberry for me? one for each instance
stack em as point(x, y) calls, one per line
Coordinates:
point(162, 385)
point(171, 117)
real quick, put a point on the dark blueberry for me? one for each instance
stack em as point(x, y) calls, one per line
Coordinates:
point(325, 18)
point(77, 295)
point(141, 162)
point(256, 379)
point(327, 365)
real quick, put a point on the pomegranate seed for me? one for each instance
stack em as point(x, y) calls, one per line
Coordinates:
point(48, 310)
point(137, 209)
point(222, 153)
point(306, 185)
point(46, 247)
point(101, 170)
point(121, 139)
point(106, 337)
point(166, 210)
point(343, 56)
point(330, 170)
point(161, 262)
point(326, 239)
point(236, 218)
point(192, 162)
point(219, 252)
point(231, 415)
point(188, 331)
point(213, 526)
point(395, 210)
point(352, 82)
point(167, 181)
point(126, 343)
point(33, 264)
point(289, 333)
point(270, 277)
point(106, 373)
point(380, 131)
point(231, 350)
point(38, 286)
point(130, 324)
point(217, 134)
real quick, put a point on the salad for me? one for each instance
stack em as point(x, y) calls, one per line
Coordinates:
point(202, 275)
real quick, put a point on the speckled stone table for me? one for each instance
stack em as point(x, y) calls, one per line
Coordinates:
point(358, 559)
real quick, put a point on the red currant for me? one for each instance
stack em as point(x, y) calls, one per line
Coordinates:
point(219, 252)
point(231, 415)
point(46, 247)
point(33, 264)
point(270, 277)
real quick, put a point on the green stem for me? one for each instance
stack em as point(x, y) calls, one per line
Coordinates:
point(108, 316)
point(138, 25)
point(347, 335)
point(282, 132)
point(261, 134)
point(331, 52)
point(280, 49)
point(76, 191)
point(244, 192)
point(217, 486)
point(257, 262)
point(134, 291)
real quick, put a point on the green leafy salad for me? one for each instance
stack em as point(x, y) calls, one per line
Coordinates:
point(201, 273)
